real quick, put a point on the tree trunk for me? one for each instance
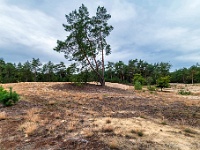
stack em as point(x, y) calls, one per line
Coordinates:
point(192, 78)
point(102, 82)
point(103, 67)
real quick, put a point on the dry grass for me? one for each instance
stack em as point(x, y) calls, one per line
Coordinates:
point(32, 121)
point(188, 130)
point(113, 144)
point(52, 102)
point(116, 125)
point(32, 115)
point(138, 132)
point(3, 115)
point(100, 97)
point(28, 127)
point(108, 121)
point(108, 128)
point(87, 132)
point(72, 126)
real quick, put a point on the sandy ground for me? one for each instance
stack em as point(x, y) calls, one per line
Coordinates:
point(64, 116)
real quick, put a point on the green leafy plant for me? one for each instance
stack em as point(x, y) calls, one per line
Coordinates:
point(8, 98)
point(138, 85)
point(151, 88)
point(163, 82)
point(183, 92)
point(139, 78)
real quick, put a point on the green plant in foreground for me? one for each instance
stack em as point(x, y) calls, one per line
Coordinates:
point(8, 98)
point(138, 86)
point(163, 82)
point(183, 92)
point(151, 88)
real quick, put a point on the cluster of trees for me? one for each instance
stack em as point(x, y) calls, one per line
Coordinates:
point(118, 72)
point(32, 71)
point(140, 70)
point(186, 75)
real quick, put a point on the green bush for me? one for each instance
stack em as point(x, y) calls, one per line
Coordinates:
point(8, 98)
point(151, 88)
point(163, 82)
point(138, 86)
point(139, 78)
point(183, 92)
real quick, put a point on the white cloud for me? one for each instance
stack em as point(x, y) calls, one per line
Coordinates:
point(30, 28)
point(122, 11)
point(191, 57)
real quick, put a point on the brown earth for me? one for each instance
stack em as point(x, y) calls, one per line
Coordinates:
point(64, 116)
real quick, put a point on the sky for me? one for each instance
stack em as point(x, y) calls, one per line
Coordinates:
point(151, 30)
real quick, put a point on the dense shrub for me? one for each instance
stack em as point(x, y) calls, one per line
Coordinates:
point(8, 98)
point(139, 78)
point(138, 86)
point(163, 82)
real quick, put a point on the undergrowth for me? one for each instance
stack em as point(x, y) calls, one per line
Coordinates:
point(8, 98)
point(183, 92)
point(138, 85)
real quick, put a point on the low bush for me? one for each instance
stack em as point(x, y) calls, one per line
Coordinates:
point(151, 88)
point(8, 98)
point(183, 92)
point(138, 86)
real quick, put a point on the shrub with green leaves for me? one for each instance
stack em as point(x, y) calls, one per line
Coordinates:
point(8, 98)
point(163, 82)
point(138, 85)
point(151, 88)
point(183, 92)
point(139, 78)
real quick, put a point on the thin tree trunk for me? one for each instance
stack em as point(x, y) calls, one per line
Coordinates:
point(103, 69)
point(192, 78)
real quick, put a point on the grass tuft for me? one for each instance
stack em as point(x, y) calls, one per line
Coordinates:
point(187, 130)
point(3, 115)
point(108, 129)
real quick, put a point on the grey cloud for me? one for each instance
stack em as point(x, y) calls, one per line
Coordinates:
point(153, 30)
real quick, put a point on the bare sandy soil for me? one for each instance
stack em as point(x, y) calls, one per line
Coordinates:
point(65, 116)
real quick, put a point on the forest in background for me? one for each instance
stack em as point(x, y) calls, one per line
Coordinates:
point(119, 72)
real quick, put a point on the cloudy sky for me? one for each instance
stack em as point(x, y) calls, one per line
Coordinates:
point(151, 30)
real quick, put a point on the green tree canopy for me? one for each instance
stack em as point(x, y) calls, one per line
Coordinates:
point(163, 82)
point(86, 42)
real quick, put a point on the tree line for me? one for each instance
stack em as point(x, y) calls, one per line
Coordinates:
point(32, 71)
point(118, 72)
point(186, 75)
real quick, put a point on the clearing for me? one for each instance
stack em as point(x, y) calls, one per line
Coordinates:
point(62, 116)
